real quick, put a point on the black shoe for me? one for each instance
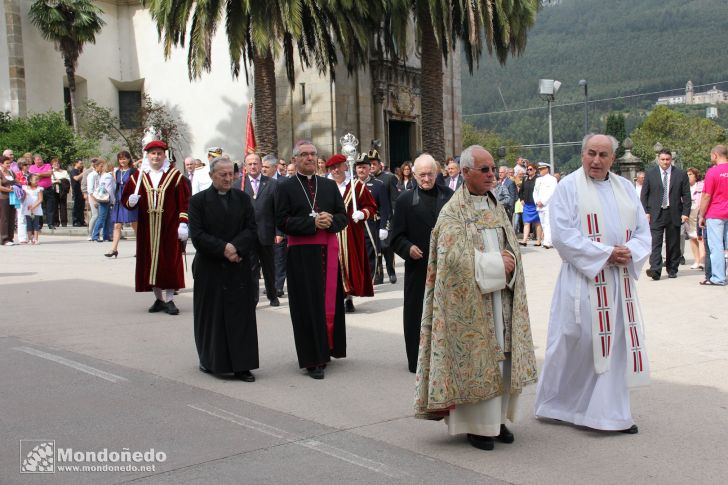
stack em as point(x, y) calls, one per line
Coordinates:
point(275, 302)
point(159, 306)
point(682, 260)
point(505, 435)
point(204, 369)
point(51, 226)
point(315, 372)
point(279, 293)
point(481, 442)
point(393, 278)
point(349, 306)
point(653, 274)
point(172, 308)
point(631, 430)
point(378, 280)
point(672, 275)
point(245, 375)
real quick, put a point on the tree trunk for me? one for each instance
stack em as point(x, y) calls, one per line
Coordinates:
point(264, 99)
point(433, 125)
point(71, 74)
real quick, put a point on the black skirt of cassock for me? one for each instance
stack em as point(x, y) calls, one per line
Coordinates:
point(226, 331)
point(306, 283)
point(415, 275)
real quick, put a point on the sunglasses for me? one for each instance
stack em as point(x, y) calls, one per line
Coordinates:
point(484, 169)
point(529, 170)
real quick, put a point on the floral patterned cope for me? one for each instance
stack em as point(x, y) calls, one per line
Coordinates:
point(459, 353)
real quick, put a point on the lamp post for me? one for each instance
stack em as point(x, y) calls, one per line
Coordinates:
point(586, 106)
point(547, 89)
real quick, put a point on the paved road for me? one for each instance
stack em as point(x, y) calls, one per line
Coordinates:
point(85, 365)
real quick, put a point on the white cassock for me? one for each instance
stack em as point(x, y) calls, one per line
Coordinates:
point(484, 418)
point(542, 192)
point(569, 388)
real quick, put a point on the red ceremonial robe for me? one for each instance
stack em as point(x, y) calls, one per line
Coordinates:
point(158, 251)
point(355, 272)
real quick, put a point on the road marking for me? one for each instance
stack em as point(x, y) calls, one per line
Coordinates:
point(311, 444)
point(73, 364)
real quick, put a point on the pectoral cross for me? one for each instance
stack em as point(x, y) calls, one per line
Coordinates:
point(313, 213)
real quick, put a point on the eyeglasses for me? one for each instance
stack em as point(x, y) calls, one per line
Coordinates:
point(484, 169)
point(529, 170)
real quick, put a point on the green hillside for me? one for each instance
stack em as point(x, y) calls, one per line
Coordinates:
point(620, 47)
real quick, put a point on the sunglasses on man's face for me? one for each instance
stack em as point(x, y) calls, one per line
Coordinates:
point(484, 169)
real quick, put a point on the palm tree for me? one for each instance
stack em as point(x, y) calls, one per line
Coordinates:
point(258, 32)
point(69, 24)
point(439, 25)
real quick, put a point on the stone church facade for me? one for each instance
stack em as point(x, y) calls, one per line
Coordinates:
point(380, 102)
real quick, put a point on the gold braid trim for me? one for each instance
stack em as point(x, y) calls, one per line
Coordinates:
point(155, 220)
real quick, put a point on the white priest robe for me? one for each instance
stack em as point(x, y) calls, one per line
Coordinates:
point(569, 388)
point(485, 417)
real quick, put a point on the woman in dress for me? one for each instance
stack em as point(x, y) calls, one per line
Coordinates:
point(102, 228)
point(407, 179)
point(33, 209)
point(120, 215)
point(530, 214)
point(7, 210)
point(696, 240)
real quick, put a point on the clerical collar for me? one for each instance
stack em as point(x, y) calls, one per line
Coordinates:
point(220, 192)
point(307, 177)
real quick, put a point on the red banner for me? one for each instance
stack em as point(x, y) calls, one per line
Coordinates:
point(249, 131)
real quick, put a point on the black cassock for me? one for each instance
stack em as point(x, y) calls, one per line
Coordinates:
point(415, 215)
point(306, 266)
point(226, 334)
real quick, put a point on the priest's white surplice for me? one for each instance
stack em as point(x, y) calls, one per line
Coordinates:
point(485, 417)
point(569, 387)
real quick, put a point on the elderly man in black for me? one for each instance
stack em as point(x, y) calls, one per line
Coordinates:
point(415, 214)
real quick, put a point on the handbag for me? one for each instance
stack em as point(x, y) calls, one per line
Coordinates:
point(101, 195)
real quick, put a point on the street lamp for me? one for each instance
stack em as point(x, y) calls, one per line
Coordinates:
point(586, 106)
point(547, 89)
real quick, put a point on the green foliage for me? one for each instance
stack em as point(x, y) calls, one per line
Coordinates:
point(492, 142)
point(689, 136)
point(615, 127)
point(44, 133)
point(99, 123)
point(620, 47)
point(69, 24)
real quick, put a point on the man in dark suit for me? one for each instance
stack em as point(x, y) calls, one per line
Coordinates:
point(415, 215)
point(261, 190)
point(270, 169)
point(453, 180)
point(666, 199)
point(390, 184)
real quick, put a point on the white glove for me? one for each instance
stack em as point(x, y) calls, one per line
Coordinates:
point(383, 233)
point(133, 200)
point(357, 216)
point(182, 232)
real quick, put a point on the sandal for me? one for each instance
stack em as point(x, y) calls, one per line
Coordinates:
point(709, 283)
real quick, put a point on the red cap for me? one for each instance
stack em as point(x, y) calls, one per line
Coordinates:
point(155, 144)
point(335, 160)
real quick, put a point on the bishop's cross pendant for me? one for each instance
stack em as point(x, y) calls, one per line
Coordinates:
point(313, 213)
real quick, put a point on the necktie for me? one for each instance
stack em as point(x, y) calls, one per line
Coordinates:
point(255, 187)
point(453, 183)
point(664, 189)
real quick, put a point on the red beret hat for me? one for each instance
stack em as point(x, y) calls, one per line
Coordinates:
point(335, 160)
point(155, 144)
